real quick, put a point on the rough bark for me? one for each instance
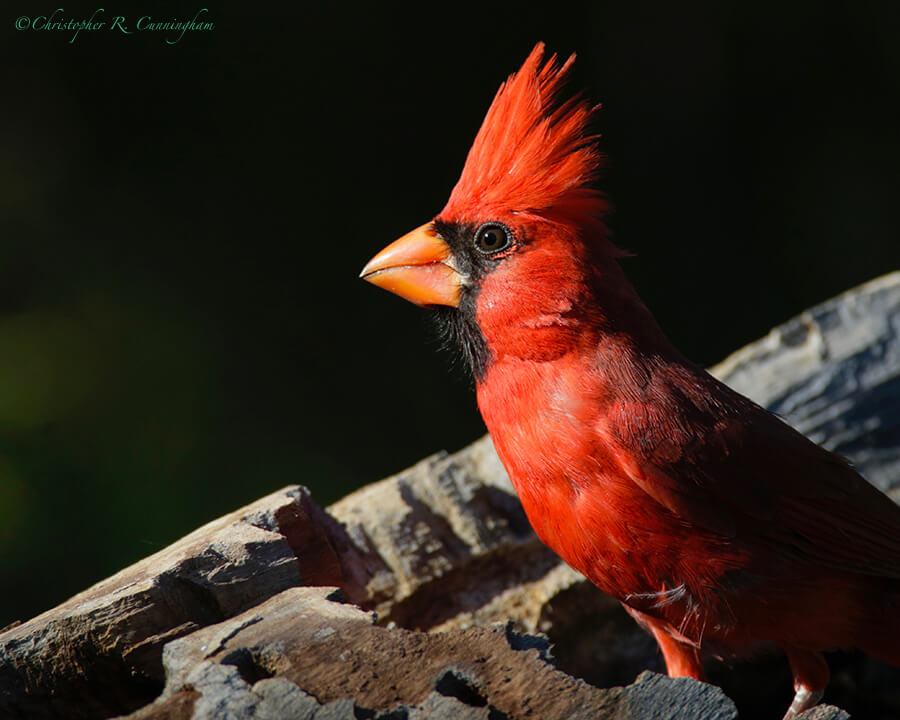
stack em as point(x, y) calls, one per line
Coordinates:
point(104, 645)
point(303, 655)
point(301, 649)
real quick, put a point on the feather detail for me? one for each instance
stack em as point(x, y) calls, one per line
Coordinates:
point(534, 153)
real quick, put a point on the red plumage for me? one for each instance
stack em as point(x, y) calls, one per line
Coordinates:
point(533, 151)
point(720, 528)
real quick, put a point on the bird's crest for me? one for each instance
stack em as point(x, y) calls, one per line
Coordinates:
point(534, 152)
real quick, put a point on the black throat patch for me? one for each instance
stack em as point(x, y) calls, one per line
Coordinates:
point(457, 325)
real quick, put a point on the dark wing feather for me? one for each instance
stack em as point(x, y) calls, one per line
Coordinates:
point(721, 462)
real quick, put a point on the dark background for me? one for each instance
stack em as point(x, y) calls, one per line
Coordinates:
point(182, 329)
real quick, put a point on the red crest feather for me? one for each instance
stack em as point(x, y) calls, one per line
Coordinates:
point(533, 153)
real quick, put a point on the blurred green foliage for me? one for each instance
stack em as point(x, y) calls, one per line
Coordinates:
point(181, 227)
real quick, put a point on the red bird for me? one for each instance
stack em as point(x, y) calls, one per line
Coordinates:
point(721, 529)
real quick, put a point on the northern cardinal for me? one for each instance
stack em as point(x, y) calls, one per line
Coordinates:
point(720, 529)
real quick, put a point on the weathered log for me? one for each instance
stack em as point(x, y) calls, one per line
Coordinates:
point(303, 655)
point(103, 647)
point(299, 646)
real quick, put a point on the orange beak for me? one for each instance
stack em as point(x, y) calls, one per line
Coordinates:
point(418, 267)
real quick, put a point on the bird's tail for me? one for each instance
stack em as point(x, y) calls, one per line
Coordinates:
point(887, 648)
point(884, 642)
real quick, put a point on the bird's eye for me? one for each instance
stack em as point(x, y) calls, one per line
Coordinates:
point(492, 237)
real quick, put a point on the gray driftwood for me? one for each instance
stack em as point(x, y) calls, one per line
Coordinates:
point(100, 651)
point(218, 622)
point(255, 665)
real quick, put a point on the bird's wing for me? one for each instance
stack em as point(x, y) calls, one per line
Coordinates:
point(723, 463)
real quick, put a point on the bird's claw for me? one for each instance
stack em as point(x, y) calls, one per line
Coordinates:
point(804, 699)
